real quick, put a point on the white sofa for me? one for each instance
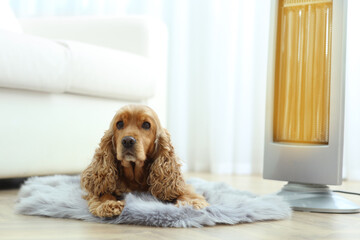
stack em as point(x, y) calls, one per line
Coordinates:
point(62, 80)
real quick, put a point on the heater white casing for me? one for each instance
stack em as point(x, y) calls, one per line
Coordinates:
point(309, 163)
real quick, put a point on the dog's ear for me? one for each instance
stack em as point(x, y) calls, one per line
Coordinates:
point(165, 178)
point(101, 175)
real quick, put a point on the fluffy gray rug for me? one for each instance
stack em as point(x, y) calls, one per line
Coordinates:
point(60, 197)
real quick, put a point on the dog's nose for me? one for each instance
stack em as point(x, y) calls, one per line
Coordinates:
point(128, 141)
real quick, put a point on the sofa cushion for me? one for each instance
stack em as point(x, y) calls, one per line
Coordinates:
point(34, 63)
point(106, 72)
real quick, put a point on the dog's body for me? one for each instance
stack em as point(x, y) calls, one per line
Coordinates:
point(135, 154)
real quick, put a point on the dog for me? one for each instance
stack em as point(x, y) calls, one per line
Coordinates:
point(135, 155)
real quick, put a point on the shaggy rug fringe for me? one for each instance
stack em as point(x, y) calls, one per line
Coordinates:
point(60, 196)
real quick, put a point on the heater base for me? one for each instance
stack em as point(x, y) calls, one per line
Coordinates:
point(316, 198)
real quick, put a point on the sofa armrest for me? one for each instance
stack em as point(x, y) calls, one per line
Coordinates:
point(139, 35)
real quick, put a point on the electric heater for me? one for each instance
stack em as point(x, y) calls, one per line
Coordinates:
point(305, 102)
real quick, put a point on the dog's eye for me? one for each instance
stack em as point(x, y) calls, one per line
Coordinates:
point(120, 124)
point(146, 125)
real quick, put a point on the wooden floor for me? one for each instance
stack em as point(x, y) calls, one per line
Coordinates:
point(300, 226)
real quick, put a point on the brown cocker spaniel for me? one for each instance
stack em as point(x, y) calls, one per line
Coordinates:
point(135, 154)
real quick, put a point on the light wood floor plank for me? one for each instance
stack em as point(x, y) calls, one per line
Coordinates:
point(302, 225)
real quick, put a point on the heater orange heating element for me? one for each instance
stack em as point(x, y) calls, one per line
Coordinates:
point(302, 72)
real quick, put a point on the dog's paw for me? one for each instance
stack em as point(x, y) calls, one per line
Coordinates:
point(200, 203)
point(195, 203)
point(110, 208)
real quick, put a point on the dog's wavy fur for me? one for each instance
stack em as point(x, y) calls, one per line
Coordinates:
point(153, 165)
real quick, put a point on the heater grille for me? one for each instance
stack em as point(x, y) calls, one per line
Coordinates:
point(302, 72)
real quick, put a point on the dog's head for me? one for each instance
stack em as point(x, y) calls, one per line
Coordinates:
point(135, 129)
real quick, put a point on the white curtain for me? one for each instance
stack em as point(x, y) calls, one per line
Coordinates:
point(352, 95)
point(218, 56)
point(217, 76)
